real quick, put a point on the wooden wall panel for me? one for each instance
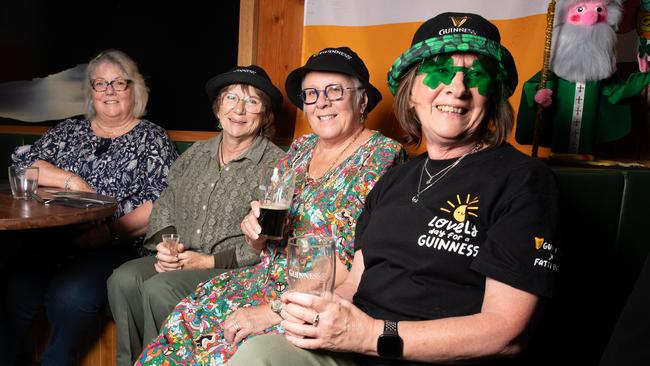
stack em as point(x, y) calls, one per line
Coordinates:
point(279, 42)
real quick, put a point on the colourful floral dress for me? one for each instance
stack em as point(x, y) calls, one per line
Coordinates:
point(193, 334)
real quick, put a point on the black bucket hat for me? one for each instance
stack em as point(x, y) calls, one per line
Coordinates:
point(251, 75)
point(456, 32)
point(342, 60)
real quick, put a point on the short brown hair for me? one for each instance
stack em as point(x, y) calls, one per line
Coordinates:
point(267, 128)
point(493, 131)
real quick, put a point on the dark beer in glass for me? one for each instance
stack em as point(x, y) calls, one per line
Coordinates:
point(276, 192)
point(272, 219)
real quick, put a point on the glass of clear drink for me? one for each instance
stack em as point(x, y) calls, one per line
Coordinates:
point(171, 242)
point(23, 182)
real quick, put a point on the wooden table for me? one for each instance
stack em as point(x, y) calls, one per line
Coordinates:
point(30, 214)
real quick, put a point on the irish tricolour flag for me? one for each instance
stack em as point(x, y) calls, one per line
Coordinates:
point(380, 30)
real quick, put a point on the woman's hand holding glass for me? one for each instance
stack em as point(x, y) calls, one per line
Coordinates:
point(340, 327)
point(166, 259)
point(252, 229)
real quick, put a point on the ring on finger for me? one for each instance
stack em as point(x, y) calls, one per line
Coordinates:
point(316, 319)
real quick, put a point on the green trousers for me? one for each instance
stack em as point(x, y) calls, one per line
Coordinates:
point(141, 299)
point(274, 350)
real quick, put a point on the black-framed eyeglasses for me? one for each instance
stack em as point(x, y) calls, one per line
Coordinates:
point(101, 85)
point(333, 92)
point(252, 104)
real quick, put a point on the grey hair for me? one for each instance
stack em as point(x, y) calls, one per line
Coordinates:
point(130, 71)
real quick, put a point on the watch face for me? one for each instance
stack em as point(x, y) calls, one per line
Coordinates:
point(389, 346)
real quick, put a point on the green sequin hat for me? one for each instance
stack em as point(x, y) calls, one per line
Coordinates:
point(456, 32)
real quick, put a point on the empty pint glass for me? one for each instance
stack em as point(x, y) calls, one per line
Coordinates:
point(311, 264)
point(276, 192)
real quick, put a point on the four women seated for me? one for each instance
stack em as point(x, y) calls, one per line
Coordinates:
point(434, 265)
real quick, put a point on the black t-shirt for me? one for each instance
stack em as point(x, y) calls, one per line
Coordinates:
point(493, 215)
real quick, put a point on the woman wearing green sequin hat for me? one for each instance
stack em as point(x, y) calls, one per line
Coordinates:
point(435, 44)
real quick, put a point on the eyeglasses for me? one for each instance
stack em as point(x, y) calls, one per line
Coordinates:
point(251, 104)
point(100, 85)
point(333, 92)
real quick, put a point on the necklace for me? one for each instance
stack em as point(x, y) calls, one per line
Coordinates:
point(344, 149)
point(222, 162)
point(439, 175)
point(115, 131)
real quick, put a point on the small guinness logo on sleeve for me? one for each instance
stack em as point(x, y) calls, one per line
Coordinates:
point(459, 21)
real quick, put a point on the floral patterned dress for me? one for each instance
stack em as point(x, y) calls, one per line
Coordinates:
point(193, 333)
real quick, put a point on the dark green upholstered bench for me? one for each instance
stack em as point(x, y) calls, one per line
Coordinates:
point(603, 215)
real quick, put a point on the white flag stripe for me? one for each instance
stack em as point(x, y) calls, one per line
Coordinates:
point(375, 12)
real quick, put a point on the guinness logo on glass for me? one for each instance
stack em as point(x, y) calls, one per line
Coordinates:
point(459, 21)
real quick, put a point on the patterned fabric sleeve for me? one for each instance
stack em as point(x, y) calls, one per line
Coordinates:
point(132, 170)
point(295, 153)
point(159, 156)
point(381, 157)
point(45, 148)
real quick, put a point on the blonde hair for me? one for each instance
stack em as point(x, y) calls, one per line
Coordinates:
point(130, 71)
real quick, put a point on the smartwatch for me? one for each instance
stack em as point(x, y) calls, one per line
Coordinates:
point(389, 343)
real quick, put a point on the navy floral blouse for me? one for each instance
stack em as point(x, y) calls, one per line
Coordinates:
point(131, 168)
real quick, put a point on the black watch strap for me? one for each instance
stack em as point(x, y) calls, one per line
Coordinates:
point(390, 327)
point(389, 343)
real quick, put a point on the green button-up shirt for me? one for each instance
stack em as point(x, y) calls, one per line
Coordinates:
point(206, 204)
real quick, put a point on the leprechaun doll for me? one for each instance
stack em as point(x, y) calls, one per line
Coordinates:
point(584, 102)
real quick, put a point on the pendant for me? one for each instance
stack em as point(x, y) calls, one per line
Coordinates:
point(415, 199)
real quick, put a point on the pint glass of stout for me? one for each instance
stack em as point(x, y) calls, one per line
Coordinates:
point(276, 192)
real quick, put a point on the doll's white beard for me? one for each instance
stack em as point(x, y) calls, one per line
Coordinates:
point(584, 53)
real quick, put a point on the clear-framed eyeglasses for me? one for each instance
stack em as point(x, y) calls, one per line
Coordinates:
point(100, 85)
point(252, 104)
point(333, 92)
